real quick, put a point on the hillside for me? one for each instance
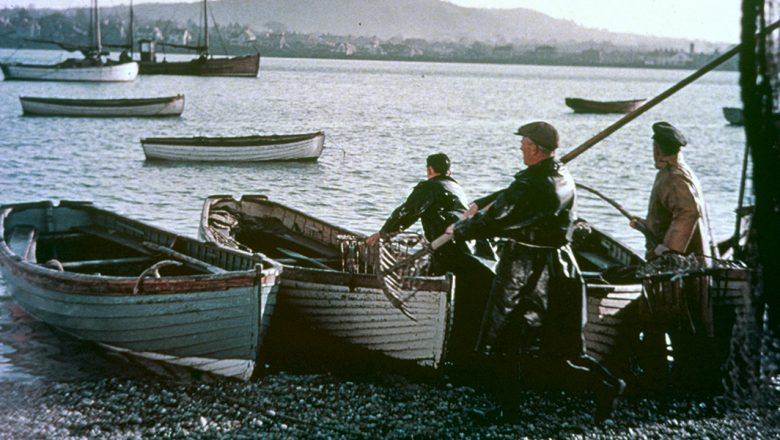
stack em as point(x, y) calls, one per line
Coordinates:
point(425, 19)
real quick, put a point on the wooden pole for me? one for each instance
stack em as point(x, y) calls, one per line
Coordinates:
point(653, 102)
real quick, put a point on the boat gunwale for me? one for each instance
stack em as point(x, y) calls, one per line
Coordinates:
point(99, 103)
point(233, 141)
point(107, 285)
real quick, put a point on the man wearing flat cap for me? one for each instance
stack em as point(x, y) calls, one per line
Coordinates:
point(677, 222)
point(535, 313)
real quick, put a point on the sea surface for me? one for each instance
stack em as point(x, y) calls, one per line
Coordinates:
point(381, 120)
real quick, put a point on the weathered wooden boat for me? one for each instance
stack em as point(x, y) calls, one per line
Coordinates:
point(204, 65)
point(734, 115)
point(94, 66)
point(318, 290)
point(580, 105)
point(96, 275)
point(133, 107)
point(323, 290)
point(293, 147)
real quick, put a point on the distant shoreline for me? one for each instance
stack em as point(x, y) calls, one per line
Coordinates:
point(729, 66)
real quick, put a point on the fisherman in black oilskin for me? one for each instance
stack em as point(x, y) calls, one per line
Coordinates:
point(438, 202)
point(535, 314)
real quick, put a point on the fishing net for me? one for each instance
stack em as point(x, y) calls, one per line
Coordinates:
point(355, 254)
point(400, 262)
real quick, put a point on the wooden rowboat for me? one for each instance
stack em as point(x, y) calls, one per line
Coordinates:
point(292, 147)
point(588, 106)
point(96, 275)
point(320, 292)
point(144, 107)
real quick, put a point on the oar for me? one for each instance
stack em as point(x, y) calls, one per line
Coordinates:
point(653, 102)
point(640, 226)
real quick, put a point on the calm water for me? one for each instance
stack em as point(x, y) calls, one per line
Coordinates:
point(381, 120)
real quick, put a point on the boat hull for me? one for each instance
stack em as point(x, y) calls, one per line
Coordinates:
point(343, 307)
point(153, 107)
point(588, 106)
point(241, 149)
point(245, 66)
point(211, 322)
point(102, 73)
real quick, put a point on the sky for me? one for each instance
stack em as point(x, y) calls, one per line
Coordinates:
point(711, 20)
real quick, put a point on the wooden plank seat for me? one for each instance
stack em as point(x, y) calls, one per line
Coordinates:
point(148, 248)
point(21, 240)
point(105, 262)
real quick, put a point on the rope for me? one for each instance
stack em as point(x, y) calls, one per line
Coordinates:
point(219, 34)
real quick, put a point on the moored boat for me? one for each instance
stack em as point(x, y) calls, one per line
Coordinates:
point(72, 70)
point(580, 105)
point(293, 147)
point(93, 67)
point(133, 107)
point(734, 115)
point(328, 285)
point(138, 289)
point(204, 65)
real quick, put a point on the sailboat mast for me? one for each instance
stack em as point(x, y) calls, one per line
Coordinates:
point(130, 34)
point(205, 26)
point(96, 27)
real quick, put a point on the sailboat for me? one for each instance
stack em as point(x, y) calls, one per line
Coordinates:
point(204, 65)
point(95, 66)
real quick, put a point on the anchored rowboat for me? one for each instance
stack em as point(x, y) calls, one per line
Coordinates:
point(588, 106)
point(320, 291)
point(134, 288)
point(145, 107)
point(298, 147)
point(734, 115)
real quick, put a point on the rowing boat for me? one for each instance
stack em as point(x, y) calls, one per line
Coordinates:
point(137, 289)
point(328, 285)
point(292, 147)
point(135, 107)
point(580, 105)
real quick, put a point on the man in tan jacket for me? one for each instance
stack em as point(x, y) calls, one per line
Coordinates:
point(676, 215)
point(677, 222)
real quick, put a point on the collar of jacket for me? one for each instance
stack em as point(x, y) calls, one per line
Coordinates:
point(443, 177)
point(549, 164)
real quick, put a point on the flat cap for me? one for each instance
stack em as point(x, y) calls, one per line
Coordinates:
point(542, 133)
point(665, 134)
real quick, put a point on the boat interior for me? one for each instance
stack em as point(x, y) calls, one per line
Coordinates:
point(115, 246)
point(289, 236)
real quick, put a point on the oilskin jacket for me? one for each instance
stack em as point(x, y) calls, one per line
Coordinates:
point(537, 299)
point(437, 202)
point(676, 215)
